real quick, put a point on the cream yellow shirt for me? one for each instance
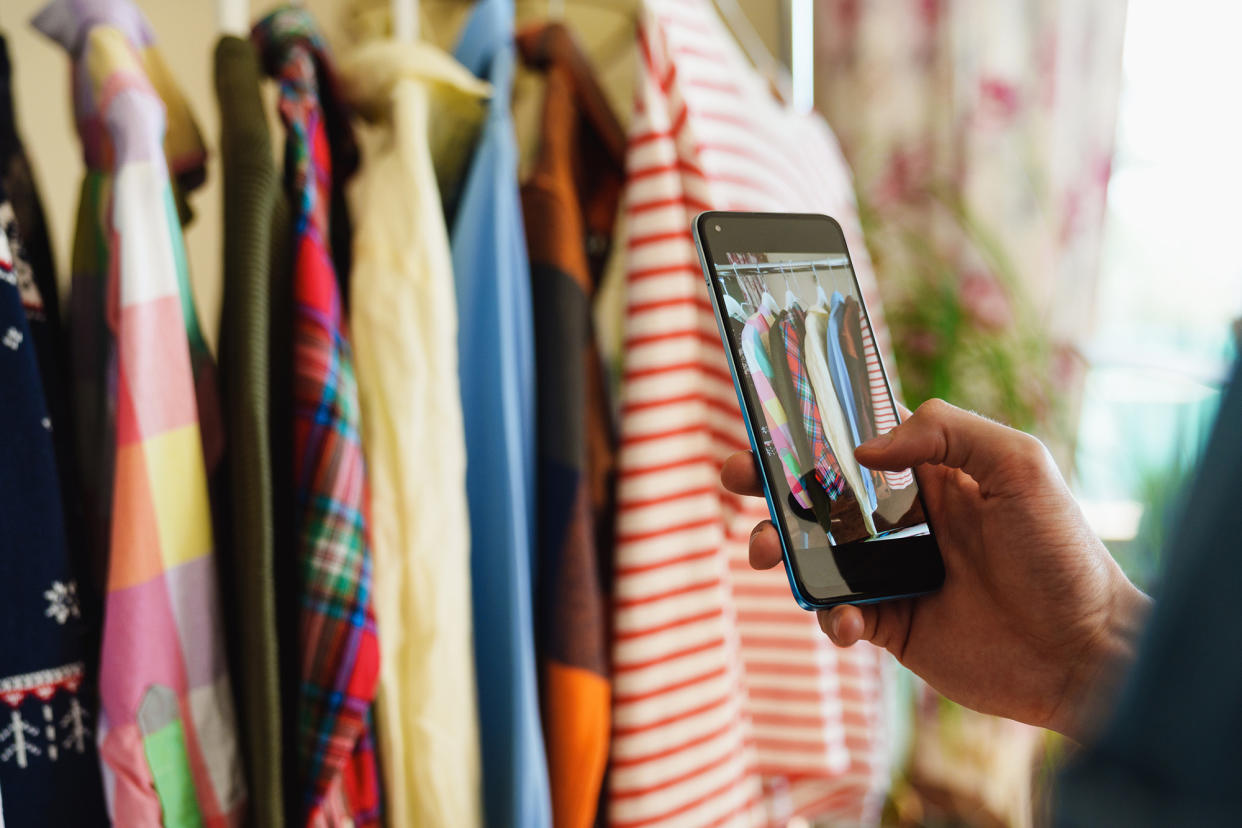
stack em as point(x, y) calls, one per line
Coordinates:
point(403, 320)
point(836, 427)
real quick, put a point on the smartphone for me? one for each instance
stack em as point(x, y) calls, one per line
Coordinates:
point(812, 387)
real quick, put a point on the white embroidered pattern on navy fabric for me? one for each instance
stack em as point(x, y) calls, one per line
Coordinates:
point(62, 601)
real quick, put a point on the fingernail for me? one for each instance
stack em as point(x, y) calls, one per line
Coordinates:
point(876, 443)
point(758, 528)
point(830, 623)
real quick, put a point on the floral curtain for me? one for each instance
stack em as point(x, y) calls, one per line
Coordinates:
point(980, 133)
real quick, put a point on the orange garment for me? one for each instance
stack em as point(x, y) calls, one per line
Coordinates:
point(569, 205)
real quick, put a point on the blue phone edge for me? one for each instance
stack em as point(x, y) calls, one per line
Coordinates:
point(805, 601)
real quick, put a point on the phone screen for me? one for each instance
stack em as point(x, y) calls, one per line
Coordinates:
point(807, 365)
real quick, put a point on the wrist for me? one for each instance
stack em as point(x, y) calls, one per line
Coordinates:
point(1095, 676)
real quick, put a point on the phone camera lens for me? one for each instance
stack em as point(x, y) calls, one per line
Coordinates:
point(717, 228)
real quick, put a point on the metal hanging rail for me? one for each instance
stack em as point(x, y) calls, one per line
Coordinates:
point(786, 267)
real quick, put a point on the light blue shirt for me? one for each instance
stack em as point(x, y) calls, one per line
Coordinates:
point(497, 366)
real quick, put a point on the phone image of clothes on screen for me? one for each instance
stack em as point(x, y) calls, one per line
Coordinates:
point(802, 342)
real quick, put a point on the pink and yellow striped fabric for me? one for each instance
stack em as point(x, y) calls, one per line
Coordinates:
point(759, 366)
point(730, 706)
point(166, 725)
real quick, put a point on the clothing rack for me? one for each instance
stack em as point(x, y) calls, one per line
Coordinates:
point(794, 79)
point(479, 391)
point(802, 55)
point(405, 20)
point(785, 267)
point(748, 283)
point(233, 17)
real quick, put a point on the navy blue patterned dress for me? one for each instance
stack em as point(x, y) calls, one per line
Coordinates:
point(49, 769)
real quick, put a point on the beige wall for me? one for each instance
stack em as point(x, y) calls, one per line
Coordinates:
point(186, 31)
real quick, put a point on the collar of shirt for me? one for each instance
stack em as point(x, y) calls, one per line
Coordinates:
point(457, 99)
point(71, 23)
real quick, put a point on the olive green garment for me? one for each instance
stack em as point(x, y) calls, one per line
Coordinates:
point(256, 278)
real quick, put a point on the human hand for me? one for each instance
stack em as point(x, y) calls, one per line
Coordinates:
point(1035, 619)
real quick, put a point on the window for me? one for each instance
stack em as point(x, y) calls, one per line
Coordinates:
point(1170, 293)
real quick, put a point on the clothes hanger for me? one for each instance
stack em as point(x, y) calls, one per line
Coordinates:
point(540, 44)
point(820, 297)
point(766, 299)
point(749, 39)
point(609, 52)
point(791, 298)
point(233, 17)
point(748, 290)
point(734, 308)
point(405, 20)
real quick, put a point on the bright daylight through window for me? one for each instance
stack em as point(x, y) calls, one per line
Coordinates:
point(1170, 295)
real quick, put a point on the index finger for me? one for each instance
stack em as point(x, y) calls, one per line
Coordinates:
point(939, 434)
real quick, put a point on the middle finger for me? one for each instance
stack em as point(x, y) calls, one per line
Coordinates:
point(765, 546)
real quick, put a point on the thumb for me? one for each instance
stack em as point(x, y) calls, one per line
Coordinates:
point(944, 435)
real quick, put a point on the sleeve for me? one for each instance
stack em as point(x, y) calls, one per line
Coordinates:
point(1172, 752)
point(774, 413)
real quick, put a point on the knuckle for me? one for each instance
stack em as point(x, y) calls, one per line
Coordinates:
point(1031, 452)
point(933, 409)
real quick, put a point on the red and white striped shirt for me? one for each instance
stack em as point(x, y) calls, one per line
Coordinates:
point(730, 706)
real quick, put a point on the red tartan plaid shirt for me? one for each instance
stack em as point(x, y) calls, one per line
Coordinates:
point(338, 640)
point(827, 472)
